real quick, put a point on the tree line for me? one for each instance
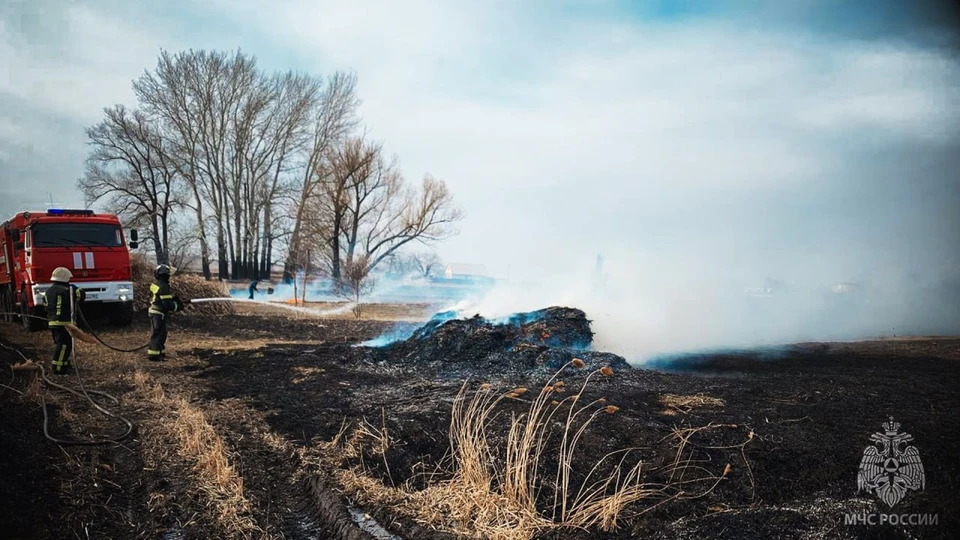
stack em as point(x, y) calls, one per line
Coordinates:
point(224, 161)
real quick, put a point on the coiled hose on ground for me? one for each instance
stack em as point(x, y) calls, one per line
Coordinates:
point(83, 393)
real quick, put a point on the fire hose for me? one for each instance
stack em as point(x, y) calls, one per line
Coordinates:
point(89, 330)
point(83, 393)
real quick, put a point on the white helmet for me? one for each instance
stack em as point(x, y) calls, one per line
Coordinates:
point(61, 274)
point(164, 270)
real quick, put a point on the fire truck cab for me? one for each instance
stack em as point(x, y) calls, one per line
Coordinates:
point(92, 246)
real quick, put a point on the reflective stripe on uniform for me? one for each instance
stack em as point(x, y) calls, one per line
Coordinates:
point(58, 323)
point(152, 352)
point(59, 304)
point(60, 362)
point(154, 311)
point(166, 297)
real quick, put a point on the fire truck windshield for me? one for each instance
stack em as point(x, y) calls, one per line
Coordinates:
point(75, 234)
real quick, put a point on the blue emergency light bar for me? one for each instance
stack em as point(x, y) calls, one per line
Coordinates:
point(66, 211)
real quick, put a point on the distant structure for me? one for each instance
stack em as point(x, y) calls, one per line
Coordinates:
point(464, 271)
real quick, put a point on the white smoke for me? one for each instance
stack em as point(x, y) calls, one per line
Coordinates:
point(641, 311)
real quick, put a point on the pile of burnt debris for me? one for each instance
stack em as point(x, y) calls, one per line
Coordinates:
point(539, 340)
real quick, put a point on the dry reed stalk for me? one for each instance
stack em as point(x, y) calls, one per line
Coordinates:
point(199, 443)
point(483, 500)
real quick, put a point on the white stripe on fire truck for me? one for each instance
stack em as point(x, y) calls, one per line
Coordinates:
point(77, 261)
point(89, 260)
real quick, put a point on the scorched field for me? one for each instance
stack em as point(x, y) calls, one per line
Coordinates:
point(273, 424)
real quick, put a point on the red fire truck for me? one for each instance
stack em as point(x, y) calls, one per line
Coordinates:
point(92, 246)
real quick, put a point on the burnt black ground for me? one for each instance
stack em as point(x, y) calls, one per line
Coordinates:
point(812, 413)
point(811, 409)
point(64, 492)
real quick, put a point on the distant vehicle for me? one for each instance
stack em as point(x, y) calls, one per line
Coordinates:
point(90, 245)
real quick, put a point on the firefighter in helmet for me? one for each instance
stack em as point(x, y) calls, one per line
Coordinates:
point(162, 303)
point(61, 300)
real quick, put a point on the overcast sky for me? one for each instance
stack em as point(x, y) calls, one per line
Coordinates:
point(811, 140)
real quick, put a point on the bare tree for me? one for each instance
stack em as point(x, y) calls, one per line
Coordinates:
point(297, 95)
point(423, 264)
point(427, 263)
point(131, 167)
point(357, 282)
point(383, 214)
point(263, 162)
point(342, 186)
point(364, 208)
point(165, 94)
point(333, 118)
point(182, 250)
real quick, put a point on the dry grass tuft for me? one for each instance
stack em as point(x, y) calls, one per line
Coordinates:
point(486, 500)
point(67, 415)
point(494, 492)
point(152, 392)
point(33, 389)
point(199, 443)
point(686, 404)
point(305, 373)
point(191, 286)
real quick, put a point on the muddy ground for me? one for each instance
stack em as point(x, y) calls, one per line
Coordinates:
point(792, 424)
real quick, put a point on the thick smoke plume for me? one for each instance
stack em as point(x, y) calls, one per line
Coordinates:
point(642, 311)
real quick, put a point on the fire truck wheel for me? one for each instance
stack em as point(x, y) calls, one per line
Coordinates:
point(31, 323)
point(122, 314)
point(6, 304)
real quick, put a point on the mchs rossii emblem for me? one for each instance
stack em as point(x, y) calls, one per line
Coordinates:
point(890, 468)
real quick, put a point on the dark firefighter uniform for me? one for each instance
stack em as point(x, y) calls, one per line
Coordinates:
point(162, 303)
point(252, 288)
point(61, 300)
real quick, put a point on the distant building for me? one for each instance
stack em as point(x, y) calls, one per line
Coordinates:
point(464, 271)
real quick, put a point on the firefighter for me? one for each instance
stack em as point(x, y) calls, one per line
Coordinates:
point(252, 288)
point(61, 300)
point(162, 303)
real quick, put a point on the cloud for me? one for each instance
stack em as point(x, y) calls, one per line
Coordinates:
point(76, 72)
